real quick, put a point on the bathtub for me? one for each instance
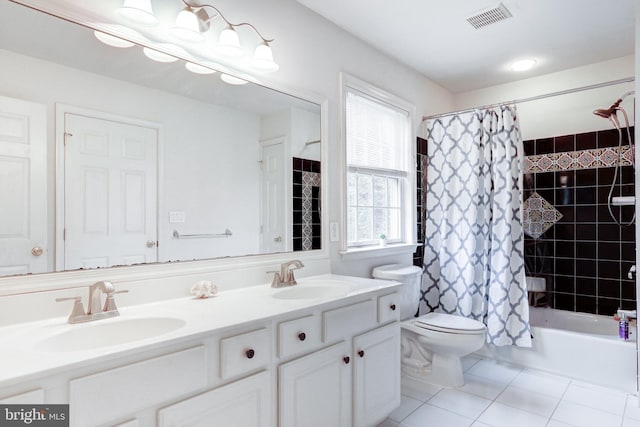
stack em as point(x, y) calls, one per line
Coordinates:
point(577, 345)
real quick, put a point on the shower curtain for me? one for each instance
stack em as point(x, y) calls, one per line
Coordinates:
point(473, 249)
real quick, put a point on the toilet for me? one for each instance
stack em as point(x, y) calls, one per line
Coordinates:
point(433, 344)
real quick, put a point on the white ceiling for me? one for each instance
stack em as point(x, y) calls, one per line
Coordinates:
point(434, 37)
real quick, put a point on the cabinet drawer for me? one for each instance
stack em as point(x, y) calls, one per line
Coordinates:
point(244, 353)
point(388, 309)
point(245, 403)
point(346, 321)
point(99, 398)
point(298, 335)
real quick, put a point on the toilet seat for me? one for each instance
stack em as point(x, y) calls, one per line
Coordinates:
point(450, 324)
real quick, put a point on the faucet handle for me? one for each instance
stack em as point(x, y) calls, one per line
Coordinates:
point(78, 308)
point(277, 279)
point(110, 303)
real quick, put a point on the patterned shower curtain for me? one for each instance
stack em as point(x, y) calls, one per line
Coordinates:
point(473, 249)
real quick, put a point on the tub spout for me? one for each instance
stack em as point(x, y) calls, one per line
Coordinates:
point(627, 314)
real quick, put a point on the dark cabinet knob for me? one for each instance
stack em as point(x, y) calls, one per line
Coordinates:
point(346, 359)
point(361, 353)
point(250, 353)
point(302, 336)
point(392, 307)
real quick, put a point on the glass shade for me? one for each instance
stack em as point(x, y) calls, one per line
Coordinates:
point(232, 80)
point(229, 43)
point(158, 56)
point(138, 11)
point(187, 27)
point(110, 40)
point(263, 58)
point(198, 69)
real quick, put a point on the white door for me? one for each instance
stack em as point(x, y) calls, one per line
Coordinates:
point(376, 375)
point(273, 191)
point(245, 403)
point(315, 390)
point(23, 187)
point(110, 193)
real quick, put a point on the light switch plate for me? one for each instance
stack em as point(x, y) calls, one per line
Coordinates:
point(176, 217)
point(334, 232)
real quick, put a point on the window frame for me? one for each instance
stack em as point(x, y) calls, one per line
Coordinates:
point(408, 205)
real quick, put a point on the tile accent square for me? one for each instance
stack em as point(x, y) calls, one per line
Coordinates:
point(538, 216)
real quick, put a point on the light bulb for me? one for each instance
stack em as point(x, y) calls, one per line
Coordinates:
point(110, 40)
point(198, 69)
point(232, 80)
point(229, 42)
point(158, 56)
point(138, 11)
point(263, 58)
point(523, 65)
point(187, 27)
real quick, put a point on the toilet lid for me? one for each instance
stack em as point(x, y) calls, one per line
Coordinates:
point(449, 323)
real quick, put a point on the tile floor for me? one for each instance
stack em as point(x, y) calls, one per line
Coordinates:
point(501, 395)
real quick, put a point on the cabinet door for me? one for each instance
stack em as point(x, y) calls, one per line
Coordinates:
point(376, 375)
point(244, 403)
point(315, 390)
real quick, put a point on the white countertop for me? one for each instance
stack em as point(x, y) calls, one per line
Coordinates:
point(24, 356)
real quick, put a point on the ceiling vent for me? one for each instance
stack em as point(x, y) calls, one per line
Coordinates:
point(489, 16)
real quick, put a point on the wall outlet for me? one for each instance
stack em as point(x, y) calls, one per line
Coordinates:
point(334, 232)
point(176, 217)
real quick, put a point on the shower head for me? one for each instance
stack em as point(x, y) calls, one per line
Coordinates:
point(609, 112)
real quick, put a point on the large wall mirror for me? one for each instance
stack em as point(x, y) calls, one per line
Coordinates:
point(109, 158)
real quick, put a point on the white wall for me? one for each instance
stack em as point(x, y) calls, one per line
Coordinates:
point(563, 114)
point(204, 147)
point(312, 52)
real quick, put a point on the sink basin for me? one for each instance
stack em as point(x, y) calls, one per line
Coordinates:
point(105, 333)
point(312, 292)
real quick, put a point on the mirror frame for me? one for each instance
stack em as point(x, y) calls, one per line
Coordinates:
point(39, 282)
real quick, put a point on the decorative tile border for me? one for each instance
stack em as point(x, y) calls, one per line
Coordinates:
point(306, 204)
point(575, 160)
point(309, 180)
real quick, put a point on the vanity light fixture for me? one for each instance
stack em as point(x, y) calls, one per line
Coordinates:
point(138, 11)
point(232, 80)
point(193, 18)
point(198, 69)
point(523, 64)
point(110, 40)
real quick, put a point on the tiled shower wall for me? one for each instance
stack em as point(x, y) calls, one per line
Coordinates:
point(421, 176)
point(306, 205)
point(585, 256)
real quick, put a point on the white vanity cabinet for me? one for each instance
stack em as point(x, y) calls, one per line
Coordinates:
point(354, 382)
point(330, 364)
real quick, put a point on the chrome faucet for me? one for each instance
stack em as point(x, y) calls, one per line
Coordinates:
point(96, 310)
point(285, 276)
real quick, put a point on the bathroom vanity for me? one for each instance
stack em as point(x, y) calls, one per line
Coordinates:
point(323, 352)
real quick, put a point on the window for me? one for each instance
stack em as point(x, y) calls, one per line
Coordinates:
point(378, 190)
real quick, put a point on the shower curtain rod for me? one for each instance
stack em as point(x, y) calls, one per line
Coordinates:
point(537, 97)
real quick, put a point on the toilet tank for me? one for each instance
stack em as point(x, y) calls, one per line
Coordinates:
point(411, 277)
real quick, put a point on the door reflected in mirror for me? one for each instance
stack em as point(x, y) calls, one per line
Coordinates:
point(108, 158)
